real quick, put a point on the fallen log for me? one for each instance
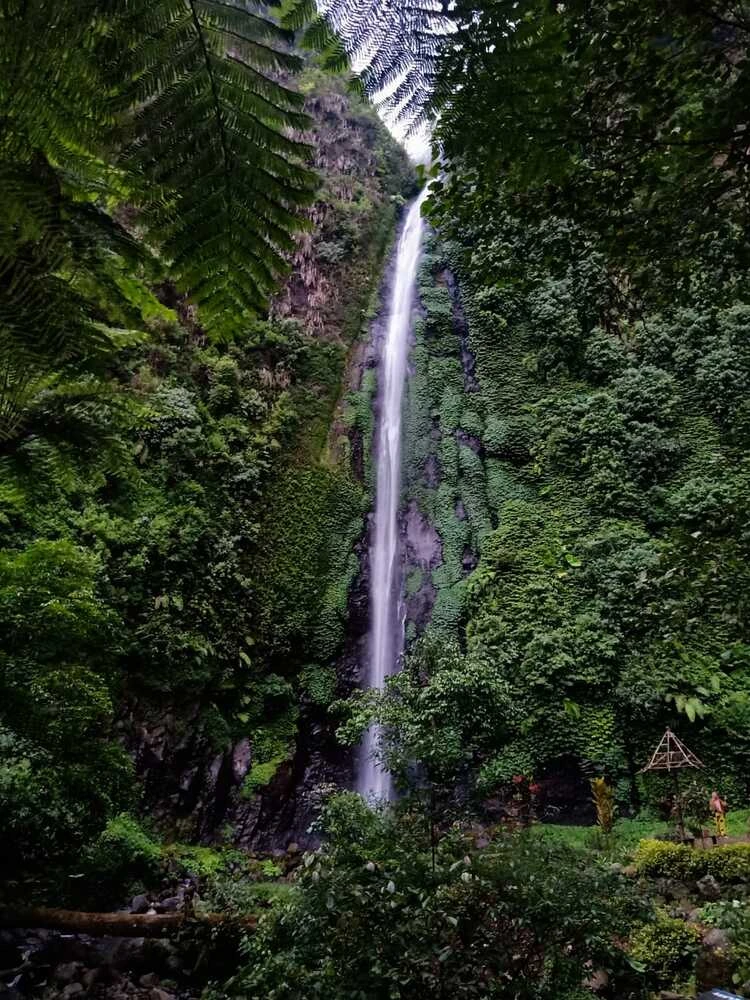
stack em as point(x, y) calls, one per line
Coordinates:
point(121, 924)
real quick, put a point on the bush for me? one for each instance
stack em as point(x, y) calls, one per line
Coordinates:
point(122, 856)
point(475, 922)
point(662, 859)
point(667, 948)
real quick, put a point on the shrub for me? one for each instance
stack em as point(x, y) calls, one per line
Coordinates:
point(123, 854)
point(731, 861)
point(478, 924)
point(662, 859)
point(667, 948)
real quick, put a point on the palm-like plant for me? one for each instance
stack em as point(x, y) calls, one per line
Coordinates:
point(392, 44)
point(177, 108)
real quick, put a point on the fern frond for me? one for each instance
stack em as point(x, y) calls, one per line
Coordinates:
point(393, 46)
point(215, 139)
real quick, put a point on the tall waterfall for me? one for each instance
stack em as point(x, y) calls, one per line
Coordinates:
point(387, 630)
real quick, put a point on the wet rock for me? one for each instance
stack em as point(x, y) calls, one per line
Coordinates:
point(72, 990)
point(158, 994)
point(170, 905)
point(149, 979)
point(423, 545)
point(469, 440)
point(139, 904)
point(68, 973)
point(714, 965)
point(469, 560)
point(432, 472)
point(241, 758)
point(95, 976)
point(709, 888)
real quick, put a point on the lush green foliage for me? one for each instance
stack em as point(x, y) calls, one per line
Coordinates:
point(176, 529)
point(439, 715)
point(597, 257)
point(667, 948)
point(374, 918)
point(658, 858)
point(176, 108)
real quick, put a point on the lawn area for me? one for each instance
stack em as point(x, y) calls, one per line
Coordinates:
point(628, 832)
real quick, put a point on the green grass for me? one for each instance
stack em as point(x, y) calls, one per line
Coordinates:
point(738, 822)
point(628, 832)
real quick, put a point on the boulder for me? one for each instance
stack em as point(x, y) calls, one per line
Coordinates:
point(716, 939)
point(69, 972)
point(139, 904)
point(171, 904)
point(709, 888)
point(714, 965)
point(72, 990)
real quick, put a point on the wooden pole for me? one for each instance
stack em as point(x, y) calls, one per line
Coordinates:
point(678, 804)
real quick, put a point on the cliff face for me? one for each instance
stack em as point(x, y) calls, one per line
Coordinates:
point(365, 177)
point(248, 755)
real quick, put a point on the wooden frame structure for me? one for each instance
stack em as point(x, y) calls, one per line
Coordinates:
point(672, 755)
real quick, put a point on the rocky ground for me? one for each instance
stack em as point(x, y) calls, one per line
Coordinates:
point(52, 965)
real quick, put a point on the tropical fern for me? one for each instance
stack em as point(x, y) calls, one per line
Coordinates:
point(216, 137)
point(394, 46)
point(177, 107)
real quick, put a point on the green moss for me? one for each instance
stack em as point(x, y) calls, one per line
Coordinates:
point(262, 774)
point(414, 582)
point(200, 861)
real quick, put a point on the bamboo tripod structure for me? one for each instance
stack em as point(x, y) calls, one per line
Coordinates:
point(672, 755)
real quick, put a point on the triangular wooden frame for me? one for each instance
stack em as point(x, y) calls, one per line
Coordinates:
point(670, 755)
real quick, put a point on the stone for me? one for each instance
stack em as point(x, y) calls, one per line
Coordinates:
point(293, 848)
point(717, 939)
point(139, 904)
point(709, 888)
point(241, 759)
point(68, 973)
point(92, 977)
point(149, 979)
point(171, 904)
point(598, 981)
point(72, 990)
point(157, 994)
point(714, 963)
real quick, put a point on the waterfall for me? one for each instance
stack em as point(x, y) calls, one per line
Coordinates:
point(387, 630)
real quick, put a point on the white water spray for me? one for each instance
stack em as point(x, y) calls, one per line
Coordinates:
point(387, 628)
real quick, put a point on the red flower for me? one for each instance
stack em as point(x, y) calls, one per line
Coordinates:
point(518, 779)
point(535, 789)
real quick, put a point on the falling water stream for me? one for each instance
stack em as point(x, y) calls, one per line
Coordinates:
point(387, 629)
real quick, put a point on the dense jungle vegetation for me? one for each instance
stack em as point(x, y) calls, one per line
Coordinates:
point(195, 224)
